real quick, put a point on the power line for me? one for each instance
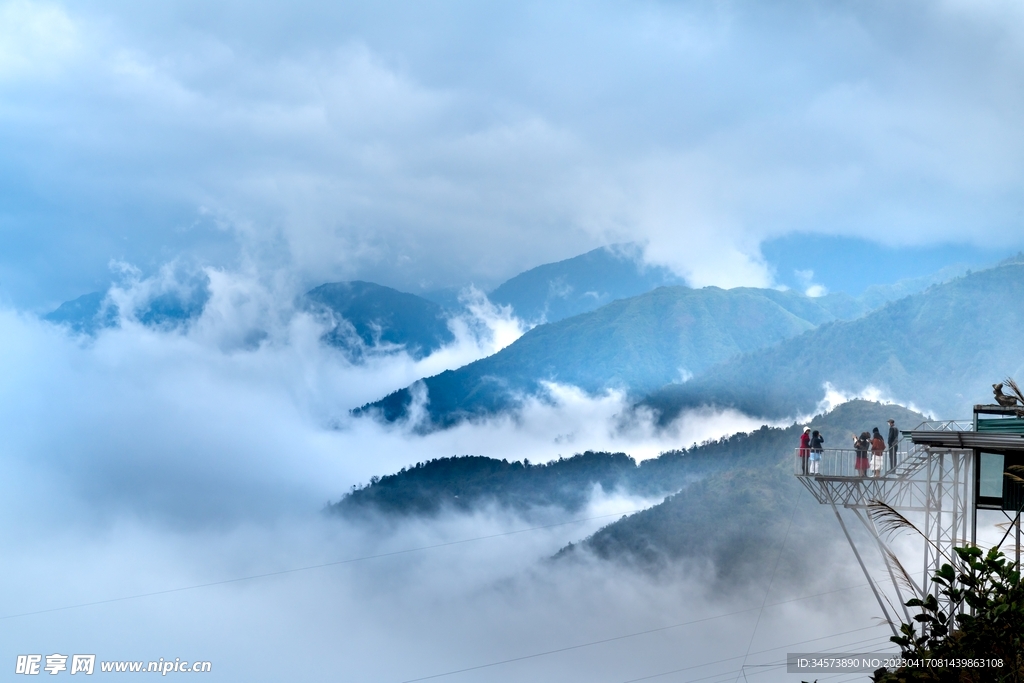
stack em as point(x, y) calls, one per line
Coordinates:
point(575, 647)
point(729, 659)
point(867, 642)
point(728, 674)
point(310, 567)
point(876, 641)
point(448, 544)
point(622, 637)
point(768, 590)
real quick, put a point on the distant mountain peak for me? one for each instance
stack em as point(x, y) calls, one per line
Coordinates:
point(555, 291)
point(365, 315)
point(91, 312)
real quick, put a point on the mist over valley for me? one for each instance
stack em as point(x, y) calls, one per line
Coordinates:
point(450, 341)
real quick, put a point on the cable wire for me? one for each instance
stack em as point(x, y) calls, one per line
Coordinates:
point(729, 659)
point(778, 558)
point(308, 567)
point(623, 637)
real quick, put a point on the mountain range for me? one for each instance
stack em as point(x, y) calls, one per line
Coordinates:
point(365, 315)
point(940, 349)
point(635, 345)
point(765, 352)
point(726, 502)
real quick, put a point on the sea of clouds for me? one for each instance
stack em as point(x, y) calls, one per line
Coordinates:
point(424, 146)
point(150, 459)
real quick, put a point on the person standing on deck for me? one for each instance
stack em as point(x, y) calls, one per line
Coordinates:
point(805, 449)
point(893, 440)
point(816, 441)
point(861, 444)
point(877, 448)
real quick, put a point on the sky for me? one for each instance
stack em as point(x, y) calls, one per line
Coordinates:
point(265, 148)
point(427, 145)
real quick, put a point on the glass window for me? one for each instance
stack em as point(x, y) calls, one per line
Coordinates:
point(990, 479)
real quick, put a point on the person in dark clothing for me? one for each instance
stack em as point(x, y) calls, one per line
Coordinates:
point(816, 441)
point(893, 440)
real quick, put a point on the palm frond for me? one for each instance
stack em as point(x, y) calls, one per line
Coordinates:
point(1014, 389)
point(888, 520)
point(902, 575)
point(1015, 473)
point(1016, 393)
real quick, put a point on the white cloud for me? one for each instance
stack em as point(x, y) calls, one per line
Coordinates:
point(399, 146)
point(245, 401)
point(36, 39)
point(152, 459)
point(397, 617)
point(271, 146)
point(835, 397)
point(806, 279)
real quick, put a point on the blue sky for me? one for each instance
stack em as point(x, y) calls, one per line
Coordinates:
point(850, 264)
point(430, 144)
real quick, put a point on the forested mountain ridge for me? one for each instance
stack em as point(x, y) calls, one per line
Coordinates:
point(635, 345)
point(466, 482)
point(736, 516)
point(727, 497)
point(940, 350)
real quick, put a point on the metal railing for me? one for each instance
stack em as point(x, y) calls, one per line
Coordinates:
point(945, 426)
point(842, 462)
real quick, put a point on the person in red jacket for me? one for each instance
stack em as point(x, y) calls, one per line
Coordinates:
point(805, 449)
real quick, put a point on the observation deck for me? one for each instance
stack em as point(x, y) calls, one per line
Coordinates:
point(927, 455)
point(942, 474)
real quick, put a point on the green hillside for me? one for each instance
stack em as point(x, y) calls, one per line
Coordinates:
point(464, 483)
point(729, 502)
point(635, 344)
point(737, 514)
point(468, 482)
point(940, 350)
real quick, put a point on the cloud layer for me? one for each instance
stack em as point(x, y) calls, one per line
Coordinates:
point(148, 459)
point(268, 148)
point(432, 146)
point(189, 424)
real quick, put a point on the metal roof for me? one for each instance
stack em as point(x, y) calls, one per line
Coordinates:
point(958, 439)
